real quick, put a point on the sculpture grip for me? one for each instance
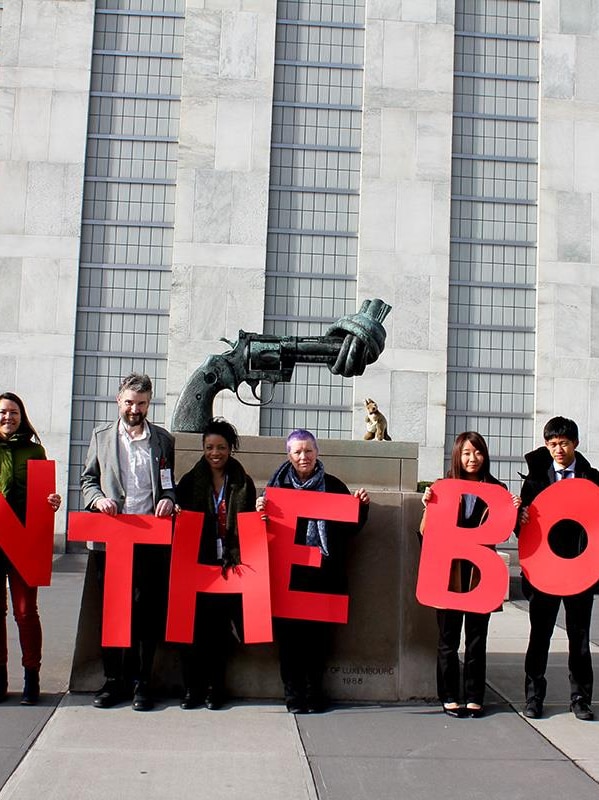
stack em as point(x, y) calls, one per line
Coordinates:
point(194, 406)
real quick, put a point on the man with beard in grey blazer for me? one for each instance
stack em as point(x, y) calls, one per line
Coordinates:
point(129, 470)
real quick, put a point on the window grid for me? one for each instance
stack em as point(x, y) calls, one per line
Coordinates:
point(128, 211)
point(321, 127)
point(131, 117)
point(129, 202)
point(135, 245)
point(502, 180)
point(155, 8)
point(491, 336)
point(124, 32)
point(496, 97)
point(137, 75)
point(309, 255)
point(311, 44)
point(498, 17)
point(123, 288)
point(505, 138)
point(120, 332)
point(501, 56)
point(311, 261)
point(313, 211)
point(493, 221)
point(131, 160)
point(311, 169)
point(321, 12)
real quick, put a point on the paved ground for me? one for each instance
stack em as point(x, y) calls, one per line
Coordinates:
point(66, 749)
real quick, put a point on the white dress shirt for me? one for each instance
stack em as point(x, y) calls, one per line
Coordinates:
point(135, 463)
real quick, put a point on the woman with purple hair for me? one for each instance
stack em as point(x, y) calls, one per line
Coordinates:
point(303, 644)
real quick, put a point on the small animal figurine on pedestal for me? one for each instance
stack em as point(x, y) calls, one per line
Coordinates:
point(376, 422)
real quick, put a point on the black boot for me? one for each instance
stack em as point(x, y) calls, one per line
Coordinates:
point(142, 698)
point(31, 688)
point(3, 682)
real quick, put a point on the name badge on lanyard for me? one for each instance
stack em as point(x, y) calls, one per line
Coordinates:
point(220, 509)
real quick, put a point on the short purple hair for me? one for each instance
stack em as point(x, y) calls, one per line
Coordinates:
point(300, 435)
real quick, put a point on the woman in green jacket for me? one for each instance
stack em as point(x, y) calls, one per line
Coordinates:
point(19, 442)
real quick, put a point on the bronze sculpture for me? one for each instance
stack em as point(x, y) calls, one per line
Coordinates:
point(348, 346)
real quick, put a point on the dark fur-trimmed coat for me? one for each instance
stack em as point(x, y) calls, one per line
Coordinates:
point(194, 493)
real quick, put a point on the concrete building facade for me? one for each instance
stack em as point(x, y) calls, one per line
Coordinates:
point(172, 172)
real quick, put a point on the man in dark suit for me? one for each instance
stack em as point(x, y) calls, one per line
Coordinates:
point(129, 470)
point(558, 460)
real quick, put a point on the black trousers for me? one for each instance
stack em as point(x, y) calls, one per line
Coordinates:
point(475, 655)
point(543, 609)
point(204, 662)
point(303, 649)
point(148, 614)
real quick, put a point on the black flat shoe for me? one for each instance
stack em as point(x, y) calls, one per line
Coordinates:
point(475, 713)
point(214, 700)
point(296, 705)
point(458, 711)
point(190, 700)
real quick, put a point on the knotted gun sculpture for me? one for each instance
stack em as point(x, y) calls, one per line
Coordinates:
point(348, 346)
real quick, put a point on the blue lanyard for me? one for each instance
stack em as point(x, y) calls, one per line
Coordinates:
point(221, 496)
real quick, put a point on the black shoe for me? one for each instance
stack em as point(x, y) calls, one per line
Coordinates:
point(31, 688)
point(476, 712)
point(214, 699)
point(191, 699)
point(533, 708)
point(316, 705)
point(295, 705)
point(581, 709)
point(451, 711)
point(3, 683)
point(111, 694)
point(142, 699)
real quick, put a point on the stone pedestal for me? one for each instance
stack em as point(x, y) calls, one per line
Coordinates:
point(387, 650)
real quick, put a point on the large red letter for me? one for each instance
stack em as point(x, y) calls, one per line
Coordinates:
point(29, 547)
point(285, 507)
point(250, 579)
point(444, 541)
point(575, 499)
point(119, 533)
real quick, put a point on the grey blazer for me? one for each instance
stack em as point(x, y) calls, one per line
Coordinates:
point(101, 475)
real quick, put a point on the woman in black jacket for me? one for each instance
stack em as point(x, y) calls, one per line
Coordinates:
point(303, 644)
point(219, 487)
point(469, 461)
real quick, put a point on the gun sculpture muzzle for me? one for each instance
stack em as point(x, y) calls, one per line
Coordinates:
point(348, 346)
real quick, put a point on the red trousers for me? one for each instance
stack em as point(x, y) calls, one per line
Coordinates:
point(24, 605)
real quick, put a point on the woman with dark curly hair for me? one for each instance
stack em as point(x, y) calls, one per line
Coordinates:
point(219, 487)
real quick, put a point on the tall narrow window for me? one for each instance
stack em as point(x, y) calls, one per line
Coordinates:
point(494, 228)
point(312, 246)
point(128, 211)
